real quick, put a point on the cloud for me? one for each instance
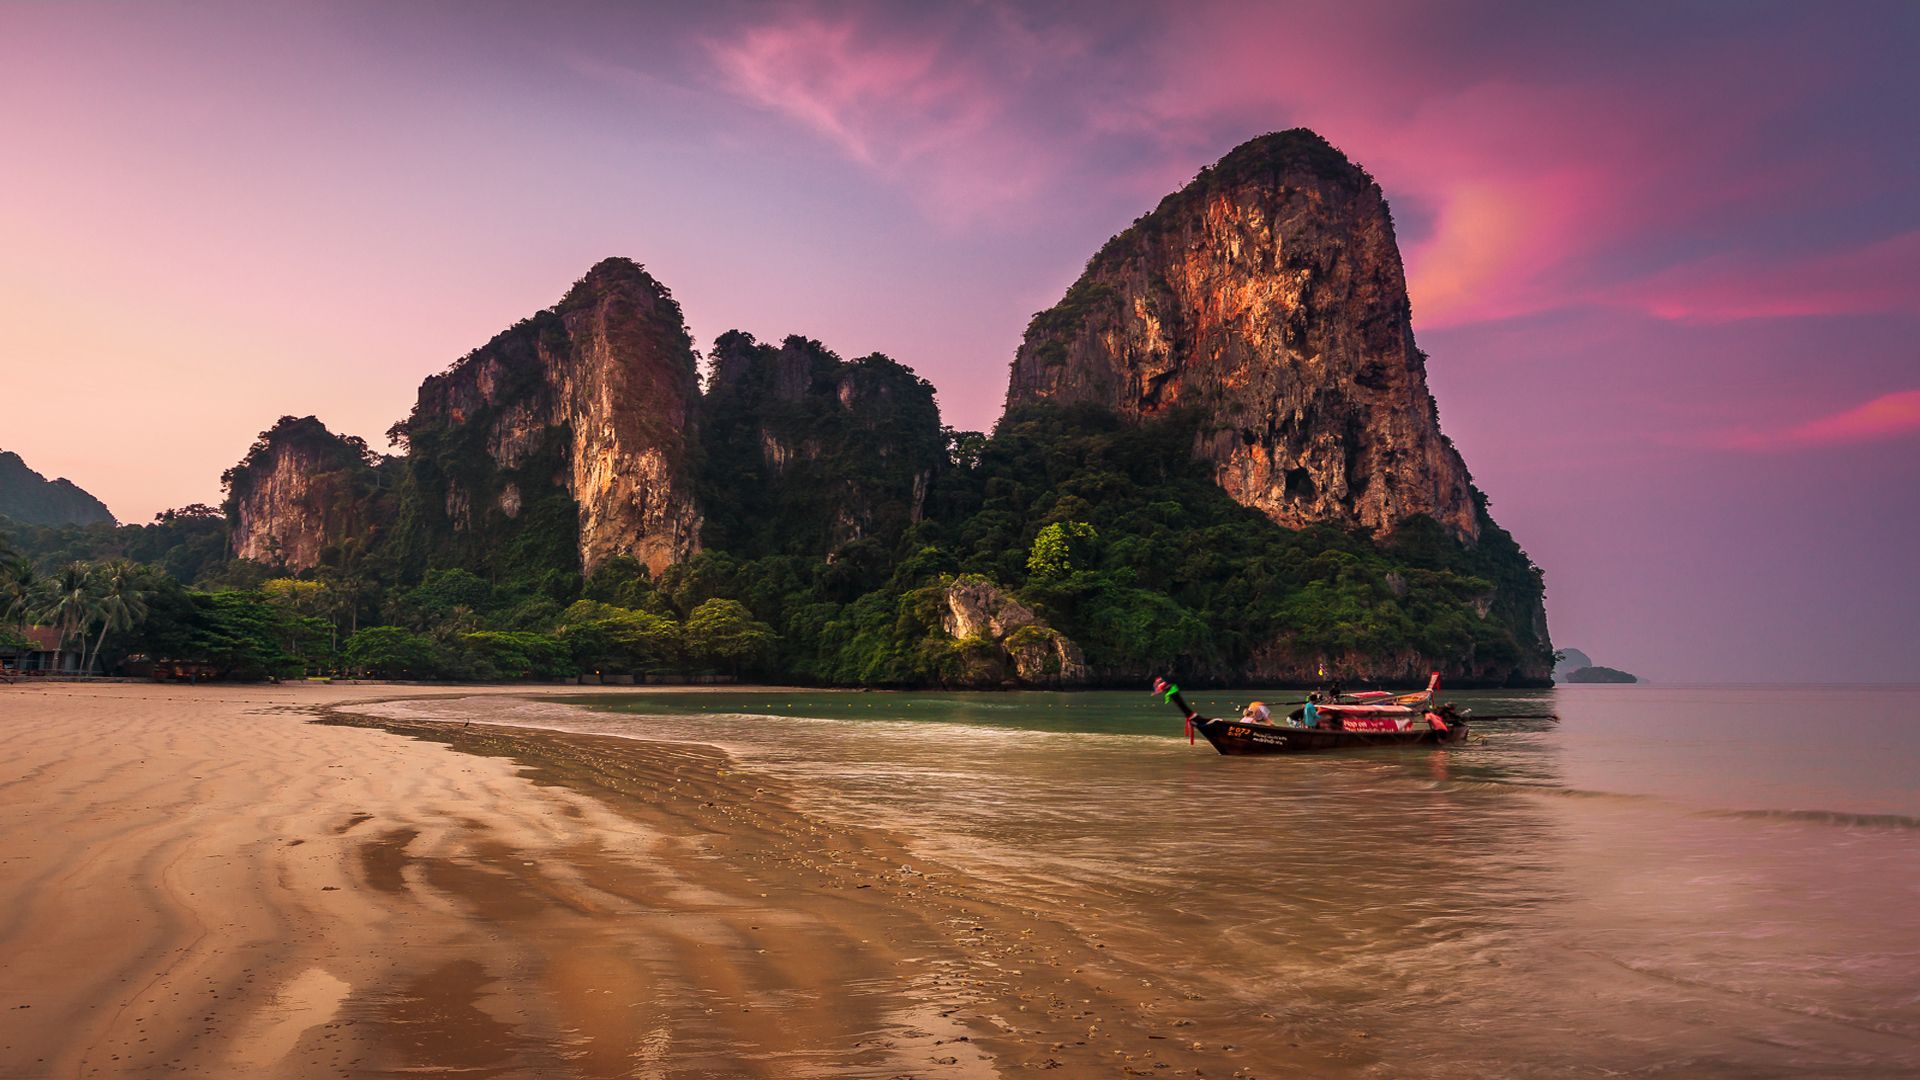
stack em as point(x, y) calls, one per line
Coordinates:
point(871, 98)
point(936, 105)
point(1878, 277)
point(1889, 416)
point(1567, 159)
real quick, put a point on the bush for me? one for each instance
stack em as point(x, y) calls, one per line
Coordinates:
point(724, 632)
point(514, 654)
point(603, 637)
point(390, 652)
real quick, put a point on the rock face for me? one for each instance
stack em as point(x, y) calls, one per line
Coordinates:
point(806, 453)
point(1003, 639)
point(1269, 296)
point(31, 499)
point(299, 494)
point(571, 429)
point(1570, 661)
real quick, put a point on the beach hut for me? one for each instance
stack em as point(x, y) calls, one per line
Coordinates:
point(41, 655)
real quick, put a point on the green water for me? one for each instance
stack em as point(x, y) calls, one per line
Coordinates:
point(1102, 712)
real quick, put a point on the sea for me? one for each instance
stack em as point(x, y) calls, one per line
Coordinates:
point(1657, 881)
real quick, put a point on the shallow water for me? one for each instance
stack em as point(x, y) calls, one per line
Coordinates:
point(1667, 880)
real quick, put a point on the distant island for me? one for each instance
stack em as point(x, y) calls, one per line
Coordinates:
point(1218, 458)
point(1596, 674)
point(1570, 665)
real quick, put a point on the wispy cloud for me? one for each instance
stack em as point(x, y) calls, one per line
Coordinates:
point(1883, 276)
point(1549, 181)
point(938, 105)
point(880, 101)
point(1889, 416)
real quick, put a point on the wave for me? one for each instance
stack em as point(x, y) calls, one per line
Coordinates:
point(1840, 818)
point(1827, 817)
point(1531, 787)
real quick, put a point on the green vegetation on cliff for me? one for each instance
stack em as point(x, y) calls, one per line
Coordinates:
point(457, 507)
point(1115, 535)
point(1110, 532)
point(804, 453)
point(28, 498)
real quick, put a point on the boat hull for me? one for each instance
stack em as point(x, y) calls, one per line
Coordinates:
point(1235, 738)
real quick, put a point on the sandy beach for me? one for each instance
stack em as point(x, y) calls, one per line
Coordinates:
point(204, 881)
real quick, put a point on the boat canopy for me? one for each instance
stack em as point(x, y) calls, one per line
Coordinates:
point(1366, 710)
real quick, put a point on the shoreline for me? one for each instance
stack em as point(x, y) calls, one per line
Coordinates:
point(205, 881)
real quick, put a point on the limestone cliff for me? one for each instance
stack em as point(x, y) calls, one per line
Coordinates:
point(300, 493)
point(1266, 303)
point(566, 439)
point(1268, 295)
point(806, 453)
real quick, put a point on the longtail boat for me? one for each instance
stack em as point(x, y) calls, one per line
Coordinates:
point(1340, 722)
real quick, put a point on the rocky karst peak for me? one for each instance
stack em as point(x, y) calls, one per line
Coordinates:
point(300, 491)
point(808, 453)
point(1268, 297)
point(589, 404)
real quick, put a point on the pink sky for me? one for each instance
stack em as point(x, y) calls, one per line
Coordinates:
point(1666, 260)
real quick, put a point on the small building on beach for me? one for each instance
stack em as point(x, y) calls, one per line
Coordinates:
point(42, 654)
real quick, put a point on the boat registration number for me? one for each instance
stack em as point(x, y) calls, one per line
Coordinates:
point(1251, 735)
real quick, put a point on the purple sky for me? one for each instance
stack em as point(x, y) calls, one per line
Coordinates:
point(1666, 259)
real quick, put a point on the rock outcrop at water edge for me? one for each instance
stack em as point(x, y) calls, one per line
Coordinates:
point(1001, 640)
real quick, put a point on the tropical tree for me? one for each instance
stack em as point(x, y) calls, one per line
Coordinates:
point(725, 631)
point(301, 603)
point(602, 635)
point(1060, 549)
point(73, 604)
point(515, 654)
point(240, 634)
point(295, 595)
point(121, 601)
point(348, 587)
point(389, 651)
point(20, 586)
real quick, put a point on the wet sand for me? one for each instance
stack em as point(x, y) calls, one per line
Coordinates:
point(202, 881)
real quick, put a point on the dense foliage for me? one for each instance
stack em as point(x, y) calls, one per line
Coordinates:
point(28, 497)
point(834, 568)
point(803, 452)
point(451, 510)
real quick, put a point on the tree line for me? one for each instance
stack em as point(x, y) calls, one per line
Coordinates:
point(1110, 532)
point(452, 625)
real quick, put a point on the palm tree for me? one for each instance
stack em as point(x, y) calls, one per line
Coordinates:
point(347, 590)
point(73, 605)
point(122, 601)
point(347, 581)
point(20, 587)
